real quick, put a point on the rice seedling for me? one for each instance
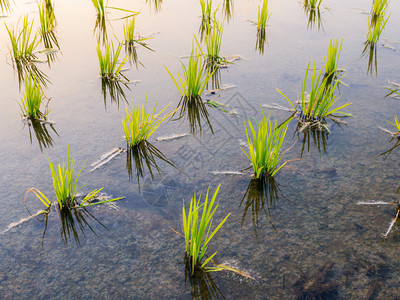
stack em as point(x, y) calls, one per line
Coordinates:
point(379, 8)
point(195, 76)
point(140, 125)
point(206, 6)
point(108, 61)
point(263, 15)
point(313, 12)
point(100, 7)
point(47, 25)
point(265, 147)
point(213, 40)
point(332, 57)
point(396, 125)
point(394, 89)
point(131, 40)
point(32, 100)
point(23, 44)
point(319, 102)
point(197, 229)
point(65, 187)
point(375, 30)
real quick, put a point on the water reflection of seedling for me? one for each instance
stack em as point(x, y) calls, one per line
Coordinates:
point(74, 222)
point(41, 132)
point(261, 195)
point(5, 6)
point(197, 230)
point(32, 100)
point(115, 89)
point(66, 189)
point(260, 41)
point(375, 29)
point(156, 4)
point(131, 40)
point(195, 111)
point(265, 147)
point(47, 20)
point(202, 285)
point(206, 6)
point(227, 9)
point(312, 10)
point(395, 137)
point(312, 134)
point(195, 77)
point(318, 104)
point(142, 157)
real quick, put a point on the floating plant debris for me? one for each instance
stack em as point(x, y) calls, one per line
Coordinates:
point(172, 137)
point(105, 158)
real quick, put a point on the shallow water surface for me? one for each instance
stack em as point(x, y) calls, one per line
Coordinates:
point(307, 237)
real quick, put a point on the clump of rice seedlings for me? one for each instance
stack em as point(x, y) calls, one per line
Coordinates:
point(379, 8)
point(213, 40)
point(108, 61)
point(197, 229)
point(139, 124)
point(332, 57)
point(47, 24)
point(206, 6)
point(319, 102)
point(263, 15)
point(394, 89)
point(195, 76)
point(23, 43)
point(100, 7)
point(65, 187)
point(32, 99)
point(131, 40)
point(265, 146)
point(396, 125)
point(375, 30)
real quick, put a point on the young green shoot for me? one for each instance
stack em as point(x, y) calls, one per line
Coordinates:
point(379, 8)
point(139, 124)
point(319, 102)
point(100, 7)
point(313, 4)
point(206, 6)
point(375, 29)
point(195, 76)
point(265, 146)
point(66, 187)
point(108, 61)
point(23, 43)
point(197, 229)
point(47, 18)
point(32, 99)
point(263, 15)
point(396, 125)
point(332, 58)
point(213, 41)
